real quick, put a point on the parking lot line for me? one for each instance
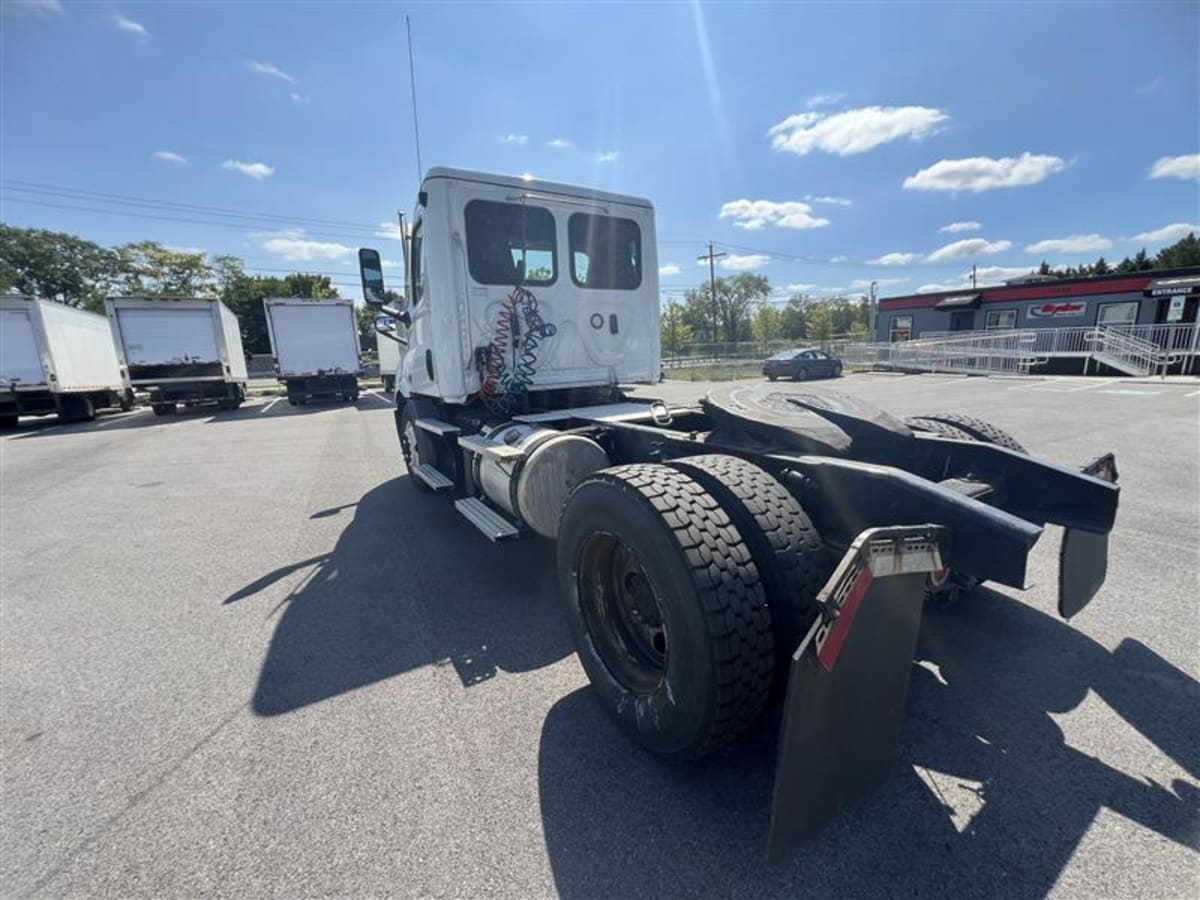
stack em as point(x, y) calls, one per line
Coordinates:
point(380, 397)
point(269, 405)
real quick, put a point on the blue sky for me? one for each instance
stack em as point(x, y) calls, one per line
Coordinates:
point(822, 146)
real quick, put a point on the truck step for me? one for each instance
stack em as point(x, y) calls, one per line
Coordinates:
point(486, 519)
point(437, 426)
point(481, 445)
point(432, 477)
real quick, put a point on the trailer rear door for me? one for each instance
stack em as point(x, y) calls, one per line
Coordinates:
point(169, 343)
point(312, 337)
point(20, 362)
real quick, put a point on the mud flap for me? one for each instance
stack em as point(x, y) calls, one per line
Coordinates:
point(1083, 555)
point(848, 682)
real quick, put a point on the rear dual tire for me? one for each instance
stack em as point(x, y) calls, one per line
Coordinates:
point(669, 616)
point(688, 587)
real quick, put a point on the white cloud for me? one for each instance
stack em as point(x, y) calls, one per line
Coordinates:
point(956, 227)
point(519, 139)
point(1187, 167)
point(934, 288)
point(170, 156)
point(837, 259)
point(829, 99)
point(607, 156)
point(38, 7)
point(191, 251)
point(736, 262)
point(257, 171)
point(299, 98)
point(796, 288)
point(391, 263)
point(969, 247)
point(390, 230)
point(865, 283)
point(754, 214)
point(894, 259)
point(854, 130)
point(292, 245)
point(668, 269)
point(832, 201)
point(997, 273)
point(270, 69)
point(1168, 233)
point(559, 143)
point(124, 24)
point(982, 173)
point(1075, 243)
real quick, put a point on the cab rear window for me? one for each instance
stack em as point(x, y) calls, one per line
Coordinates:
point(606, 252)
point(510, 243)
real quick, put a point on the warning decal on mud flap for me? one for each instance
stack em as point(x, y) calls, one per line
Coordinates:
point(845, 600)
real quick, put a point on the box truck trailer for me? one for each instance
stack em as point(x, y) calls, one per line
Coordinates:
point(185, 351)
point(389, 351)
point(59, 359)
point(315, 346)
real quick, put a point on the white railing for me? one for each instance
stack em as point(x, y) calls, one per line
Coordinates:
point(1124, 352)
point(1180, 342)
point(968, 353)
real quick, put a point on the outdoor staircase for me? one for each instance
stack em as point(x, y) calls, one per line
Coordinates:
point(1124, 352)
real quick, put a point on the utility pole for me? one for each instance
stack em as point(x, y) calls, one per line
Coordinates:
point(712, 283)
point(871, 313)
point(972, 276)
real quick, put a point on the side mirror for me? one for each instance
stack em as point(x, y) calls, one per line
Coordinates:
point(385, 324)
point(370, 269)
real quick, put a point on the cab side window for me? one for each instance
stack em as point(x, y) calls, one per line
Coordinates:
point(417, 264)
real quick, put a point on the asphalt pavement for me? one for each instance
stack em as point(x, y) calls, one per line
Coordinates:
point(241, 655)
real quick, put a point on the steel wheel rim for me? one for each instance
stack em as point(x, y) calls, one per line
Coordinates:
point(623, 613)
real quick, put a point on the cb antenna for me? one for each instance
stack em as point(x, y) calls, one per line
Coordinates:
point(412, 81)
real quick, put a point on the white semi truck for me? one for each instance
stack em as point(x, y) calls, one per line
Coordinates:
point(59, 359)
point(180, 350)
point(707, 553)
point(315, 346)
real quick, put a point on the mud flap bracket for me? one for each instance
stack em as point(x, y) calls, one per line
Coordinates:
point(848, 682)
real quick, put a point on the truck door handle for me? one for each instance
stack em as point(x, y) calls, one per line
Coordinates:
point(613, 327)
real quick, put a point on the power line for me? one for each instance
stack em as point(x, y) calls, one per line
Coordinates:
point(35, 187)
point(150, 216)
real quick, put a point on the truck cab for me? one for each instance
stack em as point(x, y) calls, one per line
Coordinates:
point(516, 286)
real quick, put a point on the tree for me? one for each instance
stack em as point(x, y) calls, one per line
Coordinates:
point(793, 321)
point(56, 266)
point(737, 298)
point(1184, 252)
point(675, 332)
point(1101, 267)
point(767, 323)
point(368, 341)
point(149, 269)
point(820, 322)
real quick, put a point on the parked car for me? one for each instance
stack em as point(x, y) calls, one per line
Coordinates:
point(801, 364)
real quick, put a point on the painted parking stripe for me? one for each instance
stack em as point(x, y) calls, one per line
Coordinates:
point(1067, 387)
point(1131, 392)
point(269, 405)
point(379, 397)
point(1192, 394)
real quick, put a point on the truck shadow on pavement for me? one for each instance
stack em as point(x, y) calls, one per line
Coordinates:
point(989, 799)
point(410, 583)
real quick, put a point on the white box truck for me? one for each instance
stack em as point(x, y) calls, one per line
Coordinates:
point(315, 345)
point(56, 358)
point(389, 351)
point(180, 350)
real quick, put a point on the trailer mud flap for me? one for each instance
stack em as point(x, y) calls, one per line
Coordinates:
point(848, 682)
point(1083, 555)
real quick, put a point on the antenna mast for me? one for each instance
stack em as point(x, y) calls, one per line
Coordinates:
point(412, 81)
